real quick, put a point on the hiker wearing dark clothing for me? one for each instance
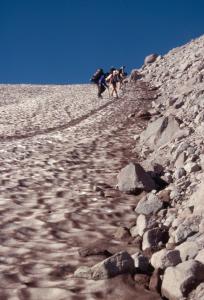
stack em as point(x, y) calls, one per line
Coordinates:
point(102, 85)
point(99, 79)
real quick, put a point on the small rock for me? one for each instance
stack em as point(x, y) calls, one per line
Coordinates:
point(122, 233)
point(192, 167)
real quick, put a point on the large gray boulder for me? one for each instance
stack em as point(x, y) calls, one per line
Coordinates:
point(117, 264)
point(149, 204)
point(180, 280)
point(134, 178)
point(160, 132)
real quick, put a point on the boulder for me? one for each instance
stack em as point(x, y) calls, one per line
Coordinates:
point(160, 132)
point(133, 178)
point(150, 58)
point(149, 204)
point(187, 228)
point(192, 167)
point(187, 250)
point(180, 280)
point(165, 258)
point(134, 75)
point(153, 237)
point(119, 263)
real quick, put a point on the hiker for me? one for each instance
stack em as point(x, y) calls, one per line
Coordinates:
point(99, 79)
point(122, 76)
point(113, 79)
point(102, 85)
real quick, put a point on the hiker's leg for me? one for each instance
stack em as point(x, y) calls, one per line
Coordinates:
point(99, 91)
point(102, 89)
point(115, 89)
point(112, 89)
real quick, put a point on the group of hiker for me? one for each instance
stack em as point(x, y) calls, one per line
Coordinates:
point(112, 80)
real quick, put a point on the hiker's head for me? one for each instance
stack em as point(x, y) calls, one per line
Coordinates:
point(115, 72)
point(112, 69)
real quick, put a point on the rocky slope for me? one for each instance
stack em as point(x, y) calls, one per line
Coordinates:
point(172, 145)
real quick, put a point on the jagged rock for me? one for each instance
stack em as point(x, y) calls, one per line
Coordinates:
point(200, 256)
point(149, 204)
point(187, 250)
point(160, 132)
point(192, 167)
point(180, 280)
point(119, 263)
point(133, 178)
point(187, 228)
point(150, 58)
point(165, 258)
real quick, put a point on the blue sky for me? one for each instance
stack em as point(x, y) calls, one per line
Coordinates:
point(64, 41)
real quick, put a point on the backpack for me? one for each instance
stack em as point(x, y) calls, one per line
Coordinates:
point(114, 78)
point(96, 76)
